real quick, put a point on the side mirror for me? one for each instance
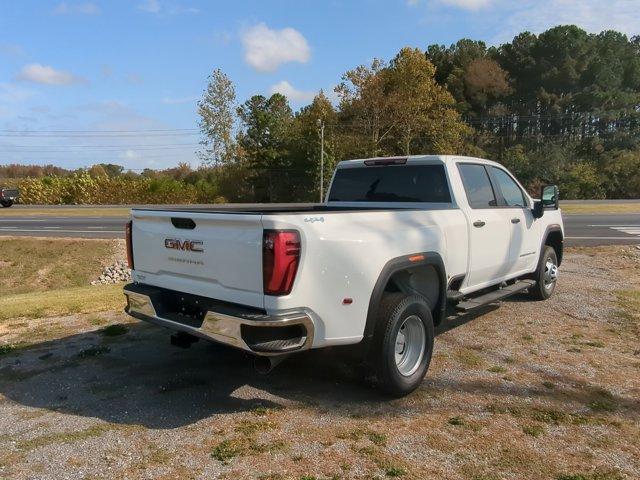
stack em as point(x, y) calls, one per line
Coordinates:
point(550, 197)
point(538, 209)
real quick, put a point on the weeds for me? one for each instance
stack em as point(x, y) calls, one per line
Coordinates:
point(114, 330)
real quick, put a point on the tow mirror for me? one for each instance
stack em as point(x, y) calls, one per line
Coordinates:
point(549, 200)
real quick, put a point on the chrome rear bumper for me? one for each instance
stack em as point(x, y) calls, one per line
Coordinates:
point(236, 328)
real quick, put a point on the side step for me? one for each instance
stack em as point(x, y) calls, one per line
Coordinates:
point(494, 295)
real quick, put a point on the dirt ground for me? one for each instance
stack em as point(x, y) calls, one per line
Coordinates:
point(529, 390)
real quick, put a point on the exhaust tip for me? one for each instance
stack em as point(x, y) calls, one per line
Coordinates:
point(263, 365)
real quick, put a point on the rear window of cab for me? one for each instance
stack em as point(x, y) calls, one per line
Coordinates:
point(391, 183)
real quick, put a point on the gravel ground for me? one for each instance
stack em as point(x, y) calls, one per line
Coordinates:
point(527, 390)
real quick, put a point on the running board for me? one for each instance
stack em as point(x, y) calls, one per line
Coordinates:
point(494, 295)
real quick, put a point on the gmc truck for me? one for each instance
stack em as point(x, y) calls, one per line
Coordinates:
point(399, 246)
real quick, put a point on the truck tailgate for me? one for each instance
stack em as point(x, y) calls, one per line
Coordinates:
point(220, 257)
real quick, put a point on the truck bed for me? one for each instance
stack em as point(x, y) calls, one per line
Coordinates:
point(265, 209)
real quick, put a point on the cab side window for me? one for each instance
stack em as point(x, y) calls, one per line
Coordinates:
point(511, 192)
point(477, 185)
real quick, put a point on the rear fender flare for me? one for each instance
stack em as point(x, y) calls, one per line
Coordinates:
point(396, 265)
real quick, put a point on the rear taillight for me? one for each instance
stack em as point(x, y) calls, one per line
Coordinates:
point(280, 258)
point(127, 231)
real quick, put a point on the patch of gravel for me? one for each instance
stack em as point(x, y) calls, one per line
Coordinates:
point(115, 273)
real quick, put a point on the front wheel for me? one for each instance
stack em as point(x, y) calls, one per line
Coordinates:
point(546, 275)
point(6, 203)
point(402, 343)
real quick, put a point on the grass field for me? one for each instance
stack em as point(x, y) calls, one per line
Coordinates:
point(37, 264)
point(587, 208)
point(50, 277)
point(65, 301)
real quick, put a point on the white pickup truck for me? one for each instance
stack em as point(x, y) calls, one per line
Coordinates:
point(399, 244)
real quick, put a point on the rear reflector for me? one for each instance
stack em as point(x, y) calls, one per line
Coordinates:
point(280, 258)
point(129, 240)
point(386, 161)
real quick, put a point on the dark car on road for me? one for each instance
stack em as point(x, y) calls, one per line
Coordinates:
point(8, 196)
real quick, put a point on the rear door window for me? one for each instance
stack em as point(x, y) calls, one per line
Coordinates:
point(391, 183)
point(477, 185)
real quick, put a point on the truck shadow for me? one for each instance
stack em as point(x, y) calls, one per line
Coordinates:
point(139, 379)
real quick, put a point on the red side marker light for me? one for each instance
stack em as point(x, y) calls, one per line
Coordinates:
point(347, 301)
point(129, 242)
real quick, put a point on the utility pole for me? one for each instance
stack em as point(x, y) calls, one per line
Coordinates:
point(321, 127)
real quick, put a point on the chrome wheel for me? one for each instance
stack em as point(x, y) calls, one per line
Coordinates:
point(550, 273)
point(410, 345)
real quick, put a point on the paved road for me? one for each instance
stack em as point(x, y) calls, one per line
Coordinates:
point(595, 229)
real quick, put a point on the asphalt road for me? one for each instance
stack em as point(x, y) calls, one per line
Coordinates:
point(594, 229)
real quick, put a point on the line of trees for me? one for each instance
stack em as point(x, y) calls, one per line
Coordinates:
point(560, 107)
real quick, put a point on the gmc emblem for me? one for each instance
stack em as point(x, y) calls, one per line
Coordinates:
point(186, 245)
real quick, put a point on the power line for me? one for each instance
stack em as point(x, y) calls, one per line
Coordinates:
point(103, 131)
point(99, 135)
point(105, 146)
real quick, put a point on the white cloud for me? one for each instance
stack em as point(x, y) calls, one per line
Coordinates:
point(10, 93)
point(129, 155)
point(591, 15)
point(156, 8)
point(150, 6)
point(463, 4)
point(86, 8)
point(467, 4)
point(47, 75)
point(292, 93)
point(266, 49)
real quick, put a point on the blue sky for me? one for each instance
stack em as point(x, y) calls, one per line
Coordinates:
point(130, 72)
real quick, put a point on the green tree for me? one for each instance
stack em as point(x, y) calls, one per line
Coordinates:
point(398, 109)
point(264, 144)
point(305, 145)
point(216, 111)
point(469, 72)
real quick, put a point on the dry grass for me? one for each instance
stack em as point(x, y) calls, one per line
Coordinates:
point(65, 212)
point(68, 301)
point(41, 264)
point(587, 208)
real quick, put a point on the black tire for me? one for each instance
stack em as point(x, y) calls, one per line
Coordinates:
point(6, 203)
point(395, 309)
point(543, 289)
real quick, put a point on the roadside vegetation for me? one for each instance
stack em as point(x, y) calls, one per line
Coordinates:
point(42, 264)
point(589, 208)
point(559, 107)
point(42, 277)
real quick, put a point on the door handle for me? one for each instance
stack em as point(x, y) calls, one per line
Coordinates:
point(479, 223)
point(515, 220)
